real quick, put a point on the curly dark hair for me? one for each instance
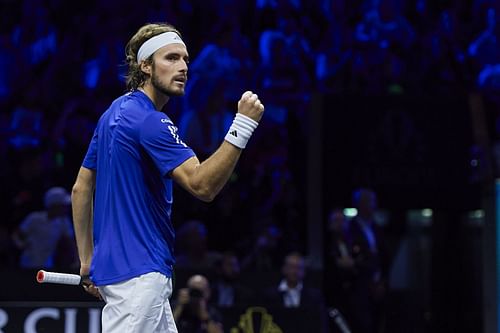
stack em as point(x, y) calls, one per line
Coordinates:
point(135, 76)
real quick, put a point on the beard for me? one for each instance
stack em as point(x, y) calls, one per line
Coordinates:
point(161, 86)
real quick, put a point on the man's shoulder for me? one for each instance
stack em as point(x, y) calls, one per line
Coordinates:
point(129, 102)
point(155, 123)
point(157, 116)
point(132, 107)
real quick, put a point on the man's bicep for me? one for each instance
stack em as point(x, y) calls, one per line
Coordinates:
point(183, 173)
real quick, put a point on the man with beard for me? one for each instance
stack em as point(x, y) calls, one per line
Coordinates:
point(124, 232)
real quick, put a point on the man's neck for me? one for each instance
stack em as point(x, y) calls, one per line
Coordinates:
point(158, 98)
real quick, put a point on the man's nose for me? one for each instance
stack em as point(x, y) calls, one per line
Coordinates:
point(184, 67)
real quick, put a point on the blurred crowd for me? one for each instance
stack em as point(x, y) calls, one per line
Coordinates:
point(63, 63)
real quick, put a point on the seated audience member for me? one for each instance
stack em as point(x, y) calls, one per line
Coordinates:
point(192, 311)
point(43, 235)
point(367, 294)
point(339, 263)
point(227, 289)
point(339, 270)
point(292, 291)
point(192, 238)
point(263, 254)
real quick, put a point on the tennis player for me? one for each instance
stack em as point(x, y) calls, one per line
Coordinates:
point(122, 197)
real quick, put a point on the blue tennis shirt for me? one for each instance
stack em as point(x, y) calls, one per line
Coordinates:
point(133, 149)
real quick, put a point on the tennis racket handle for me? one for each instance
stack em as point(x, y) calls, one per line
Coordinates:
point(60, 278)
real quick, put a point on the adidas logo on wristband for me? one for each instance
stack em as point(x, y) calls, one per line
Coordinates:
point(241, 130)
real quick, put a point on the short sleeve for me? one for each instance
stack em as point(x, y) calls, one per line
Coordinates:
point(90, 160)
point(160, 139)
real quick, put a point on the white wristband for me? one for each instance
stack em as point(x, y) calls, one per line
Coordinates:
point(241, 130)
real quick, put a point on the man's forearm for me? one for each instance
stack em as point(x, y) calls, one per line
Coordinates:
point(205, 180)
point(213, 173)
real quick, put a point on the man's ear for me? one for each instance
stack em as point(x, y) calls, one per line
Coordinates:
point(146, 67)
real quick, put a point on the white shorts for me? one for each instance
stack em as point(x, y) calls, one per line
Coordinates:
point(138, 305)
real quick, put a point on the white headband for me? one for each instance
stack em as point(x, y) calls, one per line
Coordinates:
point(153, 44)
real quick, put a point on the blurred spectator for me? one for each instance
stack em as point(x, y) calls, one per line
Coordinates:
point(485, 51)
point(444, 55)
point(489, 77)
point(292, 292)
point(70, 137)
point(204, 123)
point(7, 57)
point(339, 263)
point(217, 76)
point(193, 254)
point(371, 28)
point(49, 58)
point(192, 311)
point(225, 58)
point(47, 235)
point(227, 288)
point(333, 54)
point(263, 255)
point(35, 34)
point(26, 126)
point(25, 184)
point(381, 37)
point(368, 292)
point(286, 61)
point(100, 70)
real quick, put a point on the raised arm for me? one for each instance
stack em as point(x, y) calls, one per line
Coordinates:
point(205, 180)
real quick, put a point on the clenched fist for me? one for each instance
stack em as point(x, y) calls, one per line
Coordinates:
point(251, 106)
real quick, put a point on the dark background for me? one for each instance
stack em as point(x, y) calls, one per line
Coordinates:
point(408, 104)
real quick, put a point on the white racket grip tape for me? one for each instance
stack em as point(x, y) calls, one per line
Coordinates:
point(60, 278)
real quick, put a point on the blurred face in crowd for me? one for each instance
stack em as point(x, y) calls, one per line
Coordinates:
point(199, 283)
point(230, 267)
point(169, 69)
point(293, 269)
